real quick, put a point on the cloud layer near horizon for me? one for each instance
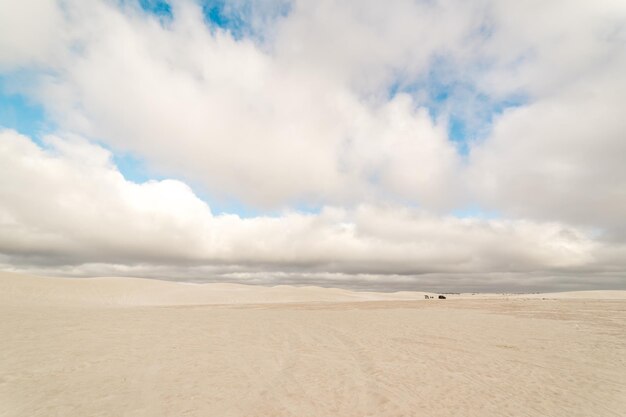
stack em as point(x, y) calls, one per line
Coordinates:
point(69, 205)
point(347, 107)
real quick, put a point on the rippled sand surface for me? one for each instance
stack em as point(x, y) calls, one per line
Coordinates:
point(121, 347)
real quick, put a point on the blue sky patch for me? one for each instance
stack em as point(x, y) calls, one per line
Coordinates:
point(475, 212)
point(246, 19)
point(218, 14)
point(469, 114)
point(215, 14)
point(19, 113)
point(159, 8)
point(132, 168)
point(451, 96)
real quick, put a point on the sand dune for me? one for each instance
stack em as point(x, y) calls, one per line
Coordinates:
point(589, 295)
point(145, 292)
point(134, 347)
point(138, 291)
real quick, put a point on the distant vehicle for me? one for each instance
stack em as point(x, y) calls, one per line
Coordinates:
point(442, 297)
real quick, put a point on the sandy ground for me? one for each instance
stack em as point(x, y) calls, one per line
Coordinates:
point(129, 347)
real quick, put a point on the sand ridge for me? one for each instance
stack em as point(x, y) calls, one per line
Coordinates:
point(140, 291)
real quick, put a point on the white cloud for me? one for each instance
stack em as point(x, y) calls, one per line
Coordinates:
point(265, 128)
point(31, 32)
point(560, 158)
point(300, 111)
point(302, 116)
point(69, 207)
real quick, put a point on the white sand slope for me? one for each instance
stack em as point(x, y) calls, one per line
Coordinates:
point(144, 292)
point(133, 347)
point(589, 295)
point(138, 292)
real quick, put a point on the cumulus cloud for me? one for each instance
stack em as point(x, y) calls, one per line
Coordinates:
point(345, 106)
point(281, 130)
point(68, 204)
point(560, 158)
point(31, 32)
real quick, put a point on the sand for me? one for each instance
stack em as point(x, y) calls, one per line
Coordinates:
point(134, 347)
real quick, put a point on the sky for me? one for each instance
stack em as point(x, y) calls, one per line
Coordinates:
point(435, 145)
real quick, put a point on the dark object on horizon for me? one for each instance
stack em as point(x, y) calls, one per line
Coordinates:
point(442, 297)
point(426, 297)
